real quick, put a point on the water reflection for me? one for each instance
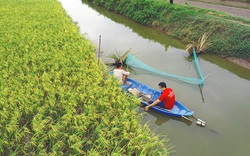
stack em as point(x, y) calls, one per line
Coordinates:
point(160, 119)
point(225, 64)
point(143, 31)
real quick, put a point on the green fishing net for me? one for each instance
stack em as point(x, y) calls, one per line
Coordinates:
point(132, 61)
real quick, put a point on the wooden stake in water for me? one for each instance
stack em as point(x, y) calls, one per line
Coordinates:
point(99, 49)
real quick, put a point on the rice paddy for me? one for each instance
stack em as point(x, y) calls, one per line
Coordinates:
point(55, 98)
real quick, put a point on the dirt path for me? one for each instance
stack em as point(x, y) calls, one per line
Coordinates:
point(240, 12)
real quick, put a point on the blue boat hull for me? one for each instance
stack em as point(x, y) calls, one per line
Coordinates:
point(177, 110)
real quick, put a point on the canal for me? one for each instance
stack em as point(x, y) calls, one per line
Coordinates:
point(223, 101)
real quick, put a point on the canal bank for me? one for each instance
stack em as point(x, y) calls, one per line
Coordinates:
point(188, 23)
point(240, 9)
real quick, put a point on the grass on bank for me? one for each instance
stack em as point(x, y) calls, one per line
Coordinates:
point(230, 36)
point(55, 98)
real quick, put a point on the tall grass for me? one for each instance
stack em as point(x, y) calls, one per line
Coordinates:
point(55, 99)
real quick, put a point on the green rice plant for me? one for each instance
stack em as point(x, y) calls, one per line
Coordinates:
point(201, 45)
point(55, 98)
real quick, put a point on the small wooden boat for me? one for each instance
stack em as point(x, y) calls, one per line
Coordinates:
point(145, 91)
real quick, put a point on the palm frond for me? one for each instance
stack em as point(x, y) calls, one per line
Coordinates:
point(201, 45)
point(118, 57)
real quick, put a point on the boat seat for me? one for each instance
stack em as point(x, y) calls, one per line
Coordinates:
point(182, 112)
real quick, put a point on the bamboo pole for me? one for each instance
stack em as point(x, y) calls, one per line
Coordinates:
point(99, 52)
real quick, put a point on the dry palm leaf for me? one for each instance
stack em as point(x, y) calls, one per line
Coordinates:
point(202, 44)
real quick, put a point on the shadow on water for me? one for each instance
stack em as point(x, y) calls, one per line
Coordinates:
point(201, 92)
point(225, 64)
point(161, 118)
point(144, 31)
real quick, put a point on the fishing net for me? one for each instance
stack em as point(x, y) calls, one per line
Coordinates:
point(132, 61)
point(197, 66)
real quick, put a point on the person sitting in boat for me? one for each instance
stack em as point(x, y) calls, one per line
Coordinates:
point(166, 99)
point(120, 74)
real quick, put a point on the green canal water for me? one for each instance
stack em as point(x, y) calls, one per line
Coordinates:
point(223, 102)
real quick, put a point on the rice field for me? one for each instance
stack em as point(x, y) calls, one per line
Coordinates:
point(55, 99)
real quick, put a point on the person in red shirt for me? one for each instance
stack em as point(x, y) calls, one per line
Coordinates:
point(166, 99)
